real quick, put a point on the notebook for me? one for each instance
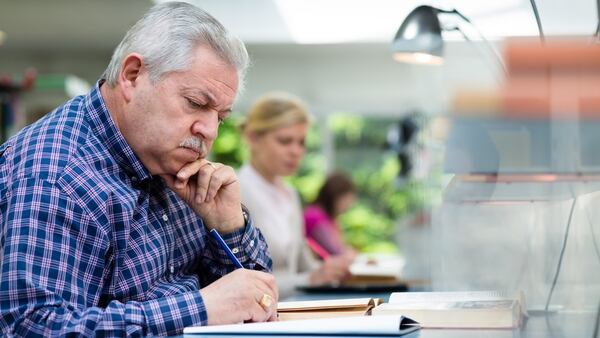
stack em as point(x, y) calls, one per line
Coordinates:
point(376, 268)
point(368, 273)
point(349, 326)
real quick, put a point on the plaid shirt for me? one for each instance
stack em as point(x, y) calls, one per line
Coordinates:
point(91, 243)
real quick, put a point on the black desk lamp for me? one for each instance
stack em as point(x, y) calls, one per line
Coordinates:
point(419, 39)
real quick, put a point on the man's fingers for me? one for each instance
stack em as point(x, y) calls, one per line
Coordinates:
point(259, 314)
point(214, 184)
point(264, 294)
point(207, 186)
point(205, 172)
point(266, 282)
point(186, 172)
point(267, 304)
point(220, 177)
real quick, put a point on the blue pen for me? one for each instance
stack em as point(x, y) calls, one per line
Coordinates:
point(224, 246)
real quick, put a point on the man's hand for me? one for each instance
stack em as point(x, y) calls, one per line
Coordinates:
point(236, 297)
point(212, 190)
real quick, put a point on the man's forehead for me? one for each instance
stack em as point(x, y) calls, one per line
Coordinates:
point(210, 97)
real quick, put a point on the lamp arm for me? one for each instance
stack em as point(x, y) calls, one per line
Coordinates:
point(597, 34)
point(497, 56)
point(492, 48)
point(486, 41)
point(453, 11)
point(537, 20)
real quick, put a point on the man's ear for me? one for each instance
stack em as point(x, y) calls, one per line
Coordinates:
point(129, 74)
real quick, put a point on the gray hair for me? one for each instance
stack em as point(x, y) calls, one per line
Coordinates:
point(166, 36)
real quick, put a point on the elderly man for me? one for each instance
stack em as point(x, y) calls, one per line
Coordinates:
point(106, 202)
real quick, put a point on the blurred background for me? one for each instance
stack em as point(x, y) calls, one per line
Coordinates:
point(387, 123)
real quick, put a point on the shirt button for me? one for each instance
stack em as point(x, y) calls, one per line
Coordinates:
point(165, 217)
point(235, 250)
point(252, 243)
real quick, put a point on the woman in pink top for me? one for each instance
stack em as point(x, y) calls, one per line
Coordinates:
point(322, 232)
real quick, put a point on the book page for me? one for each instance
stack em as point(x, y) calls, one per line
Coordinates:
point(326, 304)
point(444, 305)
point(464, 296)
point(296, 315)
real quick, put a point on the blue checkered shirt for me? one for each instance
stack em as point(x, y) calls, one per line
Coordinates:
point(92, 244)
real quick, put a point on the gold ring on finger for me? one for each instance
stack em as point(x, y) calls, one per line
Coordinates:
point(266, 301)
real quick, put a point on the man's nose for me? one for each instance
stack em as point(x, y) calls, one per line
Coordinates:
point(207, 127)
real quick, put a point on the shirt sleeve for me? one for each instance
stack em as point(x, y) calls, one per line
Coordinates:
point(248, 245)
point(53, 273)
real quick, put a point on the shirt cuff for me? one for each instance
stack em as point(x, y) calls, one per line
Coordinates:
point(169, 315)
point(249, 247)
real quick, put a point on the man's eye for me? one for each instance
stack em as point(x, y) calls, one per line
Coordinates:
point(193, 104)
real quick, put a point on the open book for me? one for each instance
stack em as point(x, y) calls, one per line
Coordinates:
point(329, 308)
point(348, 326)
point(369, 273)
point(476, 309)
point(376, 269)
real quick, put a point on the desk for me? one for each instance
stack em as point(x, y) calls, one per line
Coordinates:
point(539, 325)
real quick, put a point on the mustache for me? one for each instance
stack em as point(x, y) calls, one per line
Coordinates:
point(194, 144)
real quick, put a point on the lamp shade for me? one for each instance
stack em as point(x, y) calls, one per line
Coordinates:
point(419, 39)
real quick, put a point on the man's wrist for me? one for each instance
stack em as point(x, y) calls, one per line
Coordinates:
point(239, 222)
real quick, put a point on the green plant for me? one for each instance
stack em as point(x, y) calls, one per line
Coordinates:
point(360, 150)
point(229, 147)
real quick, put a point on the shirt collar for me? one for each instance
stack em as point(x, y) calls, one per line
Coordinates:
point(109, 135)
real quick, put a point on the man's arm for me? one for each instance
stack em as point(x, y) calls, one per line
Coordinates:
point(212, 190)
point(249, 247)
point(54, 272)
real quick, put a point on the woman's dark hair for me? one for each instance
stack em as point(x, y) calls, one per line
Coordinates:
point(336, 185)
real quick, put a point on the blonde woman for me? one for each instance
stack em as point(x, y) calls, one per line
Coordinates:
point(275, 131)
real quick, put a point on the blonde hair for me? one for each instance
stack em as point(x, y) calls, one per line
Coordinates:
point(275, 110)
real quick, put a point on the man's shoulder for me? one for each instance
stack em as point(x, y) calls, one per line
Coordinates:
point(45, 147)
